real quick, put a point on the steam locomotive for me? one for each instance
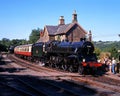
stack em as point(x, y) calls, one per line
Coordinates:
point(68, 56)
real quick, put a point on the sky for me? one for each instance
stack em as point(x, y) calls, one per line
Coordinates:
point(19, 17)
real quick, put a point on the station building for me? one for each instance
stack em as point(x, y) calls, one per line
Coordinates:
point(72, 32)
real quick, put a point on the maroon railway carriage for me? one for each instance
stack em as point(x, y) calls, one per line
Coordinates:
point(24, 51)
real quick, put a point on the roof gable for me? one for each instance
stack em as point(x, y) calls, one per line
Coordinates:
point(72, 25)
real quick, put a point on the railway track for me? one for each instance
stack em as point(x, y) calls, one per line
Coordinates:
point(12, 90)
point(16, 86)
point(101, 81)
point(28, 86)
point(61, 87)
point(27, 64)
point(96, 82)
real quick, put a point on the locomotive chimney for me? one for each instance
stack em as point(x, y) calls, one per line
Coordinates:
point(90, 36)
point(61, 20)
point(74, 17)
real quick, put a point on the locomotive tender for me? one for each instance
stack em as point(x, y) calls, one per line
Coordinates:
point(71, 56)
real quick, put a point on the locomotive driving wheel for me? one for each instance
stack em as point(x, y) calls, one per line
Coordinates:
point(64, 67)
point(57, 66)
point(73, 63)
point(51, 62)
point(71, 68)
point(57, 62)
point(80, 69)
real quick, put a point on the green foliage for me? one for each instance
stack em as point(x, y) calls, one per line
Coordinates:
point(35, 35)
point(97, 51)
point(6, 43)
point(3, 47)
point(109, 46)
point(16, 42)
point(105, 46)
point(114, 52)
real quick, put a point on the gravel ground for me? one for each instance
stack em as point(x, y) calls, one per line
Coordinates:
point(8, 67)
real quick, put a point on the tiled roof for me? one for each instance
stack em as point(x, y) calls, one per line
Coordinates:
point(51, 29)
point(61, 29)
point(54, 30)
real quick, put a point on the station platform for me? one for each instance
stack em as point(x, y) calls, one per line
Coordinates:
point(113, 76)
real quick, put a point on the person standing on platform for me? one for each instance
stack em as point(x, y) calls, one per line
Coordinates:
point(113, 65)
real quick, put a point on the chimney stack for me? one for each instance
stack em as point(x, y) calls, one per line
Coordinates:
point(61, 20)
point(90, 35)
point(74, 17)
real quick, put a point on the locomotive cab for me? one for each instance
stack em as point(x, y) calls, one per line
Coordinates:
point(38, 52)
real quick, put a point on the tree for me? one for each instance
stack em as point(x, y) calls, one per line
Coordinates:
point(35, 35)
point(16, 42)
point(4, 44)
point(3, 47)
point(114, 52)
point(97, 51)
